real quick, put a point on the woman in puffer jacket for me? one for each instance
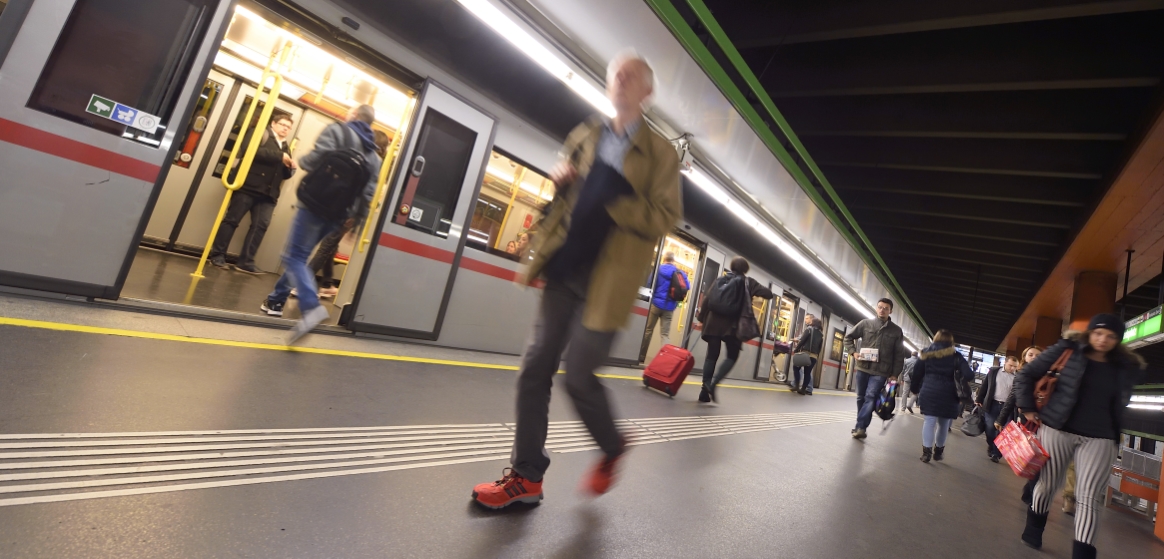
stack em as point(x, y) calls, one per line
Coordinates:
point(1080, 421)
point(940, 379)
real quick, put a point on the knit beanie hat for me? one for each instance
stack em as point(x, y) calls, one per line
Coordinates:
point(1109, 322)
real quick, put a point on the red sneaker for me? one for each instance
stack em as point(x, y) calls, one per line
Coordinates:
point(511, 488)
point(601, 478)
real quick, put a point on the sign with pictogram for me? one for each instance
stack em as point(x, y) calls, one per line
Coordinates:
point(129, 116)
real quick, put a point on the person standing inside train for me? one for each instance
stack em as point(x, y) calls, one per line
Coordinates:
point(662, 305)
point(1080, 421)
point(880, 357)
point(258, 196)
point(617, 194)
point(310, 227)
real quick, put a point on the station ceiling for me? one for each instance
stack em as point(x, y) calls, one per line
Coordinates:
point(972, 140)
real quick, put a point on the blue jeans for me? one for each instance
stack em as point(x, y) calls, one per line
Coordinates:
point(868, 388)
point(306, 232)
point(990, 411)
point(941, 425)
point(804, 374)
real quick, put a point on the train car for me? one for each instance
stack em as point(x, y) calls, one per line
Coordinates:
point(125, 127)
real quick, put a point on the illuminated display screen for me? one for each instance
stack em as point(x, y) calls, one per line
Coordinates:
point(1145, 327)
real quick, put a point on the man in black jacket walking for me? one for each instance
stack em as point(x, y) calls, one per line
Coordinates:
point(258, 195)
point(995, 390)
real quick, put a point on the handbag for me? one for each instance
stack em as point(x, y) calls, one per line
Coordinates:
point(975, 424)
point(1046, 385)
point(803, 358)
point(747, 327)
point(1022, 450)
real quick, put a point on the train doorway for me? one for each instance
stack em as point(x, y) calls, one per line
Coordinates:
point(688, 253)
point(316, 86)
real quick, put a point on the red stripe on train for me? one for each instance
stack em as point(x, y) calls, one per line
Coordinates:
point(80, 152)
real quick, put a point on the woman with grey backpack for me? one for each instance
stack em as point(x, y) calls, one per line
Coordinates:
point(806, 353)
point(720, 312)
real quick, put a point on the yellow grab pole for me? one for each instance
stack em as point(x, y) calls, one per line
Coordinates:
point(252, 147)
point(390, 156)
point(517, 178)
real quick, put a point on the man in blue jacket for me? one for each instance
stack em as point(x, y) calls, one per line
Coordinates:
point(309, 227)
point(662, 305)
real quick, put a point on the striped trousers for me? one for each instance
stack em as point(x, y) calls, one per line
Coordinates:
point(1093, 460)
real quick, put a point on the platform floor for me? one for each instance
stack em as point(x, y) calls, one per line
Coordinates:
point(765, 474)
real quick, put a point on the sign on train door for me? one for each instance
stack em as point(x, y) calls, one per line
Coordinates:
point(413, 263)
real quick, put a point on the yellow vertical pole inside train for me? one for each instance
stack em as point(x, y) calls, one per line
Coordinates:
point(390, 156)
point(275, 64)
point(517, 178)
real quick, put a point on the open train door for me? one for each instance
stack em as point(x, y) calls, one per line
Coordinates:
point(413, 262)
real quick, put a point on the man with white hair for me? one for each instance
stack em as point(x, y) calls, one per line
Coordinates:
point(617, 195)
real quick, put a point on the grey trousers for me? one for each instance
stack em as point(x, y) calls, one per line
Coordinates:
point(653, 317)
point(558, 325)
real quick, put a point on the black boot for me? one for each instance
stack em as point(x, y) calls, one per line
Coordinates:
point(938, 450)
point(704, 394)
point(1080, 550)
point(926, 454)
point(1033, 534)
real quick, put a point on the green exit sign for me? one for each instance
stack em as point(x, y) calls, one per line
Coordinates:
point(1144, 329)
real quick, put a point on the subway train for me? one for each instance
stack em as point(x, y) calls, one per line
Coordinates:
point(124, 121)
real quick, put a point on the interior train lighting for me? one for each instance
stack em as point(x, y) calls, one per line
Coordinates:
point(1151, 407)
point(526, 43)
point(719, 194)
point(1148, 399)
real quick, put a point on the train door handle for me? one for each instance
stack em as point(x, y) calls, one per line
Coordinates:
point(418, 166)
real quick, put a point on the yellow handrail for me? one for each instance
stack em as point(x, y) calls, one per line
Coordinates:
point(390, 156)
point(517, 178)
point(244, 167)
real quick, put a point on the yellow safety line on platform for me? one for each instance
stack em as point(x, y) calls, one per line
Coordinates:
point(65, 327)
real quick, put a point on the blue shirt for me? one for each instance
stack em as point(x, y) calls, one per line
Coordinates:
point(660, 297)
point(612, 146)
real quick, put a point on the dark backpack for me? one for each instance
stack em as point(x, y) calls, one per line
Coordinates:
point(331, 189)
point(886, 401)
point(679, 287)
point(726, 297)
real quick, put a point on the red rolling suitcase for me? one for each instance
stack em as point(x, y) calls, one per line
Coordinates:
point(668, 370)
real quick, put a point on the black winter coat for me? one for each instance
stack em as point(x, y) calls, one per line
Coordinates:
point(935, 378)
point(719, 326)
point(1062, 402)
point(267, 171)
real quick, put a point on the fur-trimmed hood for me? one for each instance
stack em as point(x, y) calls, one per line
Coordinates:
point(1121, 352)
point(937, 351)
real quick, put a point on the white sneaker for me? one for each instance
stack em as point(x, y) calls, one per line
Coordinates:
point(310, 320)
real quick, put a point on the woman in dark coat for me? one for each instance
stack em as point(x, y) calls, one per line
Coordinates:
point(936, 379)
point(722, 328)
point(1080, 421)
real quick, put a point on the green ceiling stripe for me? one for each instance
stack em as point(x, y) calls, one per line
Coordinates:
point(686, 35)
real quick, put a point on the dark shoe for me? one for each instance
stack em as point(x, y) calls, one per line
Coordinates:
point(995, 459)
point(938, 450)
point(859, 434)
point(272, 308)
point(1069, 507)
point(1080, 550)
point(219, 262)
point(1033, 534)
point(927, 453)
point(800, 391)
point(248, 268)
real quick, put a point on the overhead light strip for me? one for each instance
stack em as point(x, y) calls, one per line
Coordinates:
point(530, 46)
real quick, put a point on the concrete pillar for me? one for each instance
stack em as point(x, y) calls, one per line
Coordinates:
point(1022, 344)
point(1047, 331)
point(1095, 293)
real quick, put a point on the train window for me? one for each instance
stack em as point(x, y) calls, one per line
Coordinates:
point(136, 53)
point(211, 90)
point(511, 201)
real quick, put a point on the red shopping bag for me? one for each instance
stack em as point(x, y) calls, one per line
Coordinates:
point(1021, 449)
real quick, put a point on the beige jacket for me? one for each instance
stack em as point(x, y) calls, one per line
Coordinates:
point(652, 169)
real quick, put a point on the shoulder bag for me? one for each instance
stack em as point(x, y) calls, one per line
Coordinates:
point(747, 327)
point(803, 357)
point(1046, 385)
